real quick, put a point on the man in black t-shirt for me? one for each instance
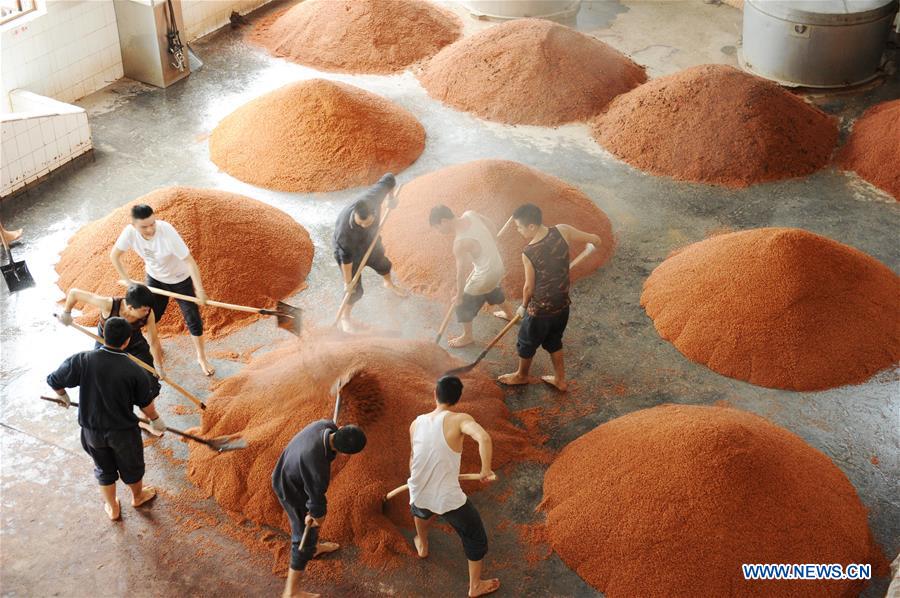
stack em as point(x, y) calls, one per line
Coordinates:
point(111, 385)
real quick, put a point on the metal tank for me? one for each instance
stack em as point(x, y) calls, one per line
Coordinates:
point(816, 43)
point(516, 9)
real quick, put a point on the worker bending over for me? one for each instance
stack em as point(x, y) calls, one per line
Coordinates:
point(169, 266)
point(545, 296)
point(354, 231)
point(475, 250)
point(437, 442)
point(300, 480)
point(111, 385)
point(136, 308)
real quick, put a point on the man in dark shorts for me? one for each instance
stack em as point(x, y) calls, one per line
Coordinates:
point(300, 480)
point(354, 231)
point(545, 296)
point(437, 443)
point(111, 385)
point(169, 266)
point(136, 307)
point(475, 249)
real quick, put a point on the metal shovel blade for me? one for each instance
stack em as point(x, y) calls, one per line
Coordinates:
point(222, 444)
point(16, 275)
point(287, 316)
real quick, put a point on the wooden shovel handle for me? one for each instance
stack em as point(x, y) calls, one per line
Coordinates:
point(210, 302)
point(405, 487)
point(501, 334)
point(445, 322)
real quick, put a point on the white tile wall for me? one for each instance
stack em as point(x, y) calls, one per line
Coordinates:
point(203, 16)
point(66, 53)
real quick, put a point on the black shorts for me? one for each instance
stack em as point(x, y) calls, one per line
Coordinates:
point(299, 558)
point(541, 331)
point(189, 310)
point(377, 261)
point(116, 453)
point(467, 523)
point(471, 304)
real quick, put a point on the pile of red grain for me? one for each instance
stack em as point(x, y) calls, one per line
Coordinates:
point(249, 253)
point(358, 36)
point(873, 148)
point(281, 392)
point(316, 135)
point(670, 501)
point(778, 307)
point(530, 71)
point(423, 258)
point(718, 125)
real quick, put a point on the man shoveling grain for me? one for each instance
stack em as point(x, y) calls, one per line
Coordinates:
point(437, 442)
point(475, 248)
point(170, 266)
point(300, 480)
point(545, 296)
point(355, 230)
point(111, 385)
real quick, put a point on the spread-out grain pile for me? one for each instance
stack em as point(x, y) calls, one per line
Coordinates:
point(232, 238)
point(530, 71)
point(778, 307)
point(718, 125)
point(671, 501)
point(358, 36)
point(316, 135)
point(423, 258)
point(873, 149)
point(281, 392)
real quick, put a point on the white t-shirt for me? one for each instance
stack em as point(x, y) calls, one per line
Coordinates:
point(163, 255)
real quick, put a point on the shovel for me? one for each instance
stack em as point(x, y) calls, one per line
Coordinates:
point(287, 316)
point(468, 368)
point(165, 379)
point(15, 273)
point(219, 443)
point(336, 391)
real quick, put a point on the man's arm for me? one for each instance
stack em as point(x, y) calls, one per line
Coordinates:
point(74, 296)
point(573, 235)
point(316, 484)
point(470, 427)
point(155, 344)
point(114, 257)
point(67, 375)
point(528, 287)
point(195, 277)
point(150, 411)
point(463, 266)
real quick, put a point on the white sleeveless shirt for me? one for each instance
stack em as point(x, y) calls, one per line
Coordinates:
point(488, 268)
point(434, 475)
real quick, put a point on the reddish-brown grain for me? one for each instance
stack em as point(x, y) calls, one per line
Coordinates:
point(778, 307)
point(358, 36)
point(873, 148)
point(670, 501)
point(718, 125)
point(530, 71)
point(249, 253)
point(423, 258)
point(279, 393)
point(316, 135)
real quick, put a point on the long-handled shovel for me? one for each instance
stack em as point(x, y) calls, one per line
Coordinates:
point(15, 273)
point(165, 379)
point(336, 388)
point(405, 487)
point(287, 316)
point(219, 444)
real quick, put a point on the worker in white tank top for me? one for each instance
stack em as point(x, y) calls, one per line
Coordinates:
point(436, 439)
point(479, 267)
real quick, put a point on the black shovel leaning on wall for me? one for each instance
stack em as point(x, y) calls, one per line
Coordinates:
point(15, 273)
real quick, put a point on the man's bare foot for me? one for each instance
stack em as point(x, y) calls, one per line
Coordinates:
point(208, 369)
point(485, 586)
point(396, 290)
point(513, 379)
point(325, 548)
point(421, 548)
point(562, 385)
point(503, 315)
point(12, 236)
point(147, 494)
point(460, 341)
point(113, 513)
point(350, 325)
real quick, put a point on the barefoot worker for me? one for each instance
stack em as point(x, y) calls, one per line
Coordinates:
point(545, 296)
point(475, 249)
point(300, 480)
point(354, 231)
point(136, 308)
point(111, 385)
point(437, 442)
point(170, 266)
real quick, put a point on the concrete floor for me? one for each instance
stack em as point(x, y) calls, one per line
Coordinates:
point(54, 535)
